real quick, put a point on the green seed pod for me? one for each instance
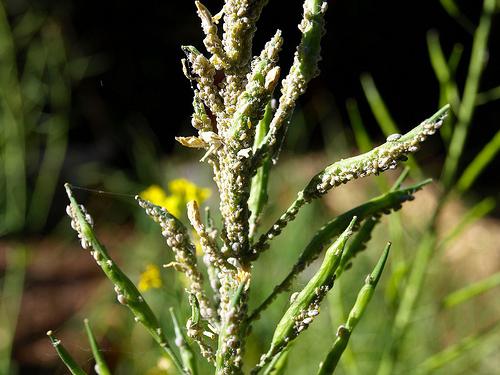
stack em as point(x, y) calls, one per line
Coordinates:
point(306, 305)
point(68, 360)
point(344, 331)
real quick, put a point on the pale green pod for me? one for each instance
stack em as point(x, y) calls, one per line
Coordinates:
point(251, 104)
point(384, 157)
point(382, 204)
point(68, 360)
point(127, 293)
point(305, 306)
point(344, 331)
point(101, 368)
point(258, 192)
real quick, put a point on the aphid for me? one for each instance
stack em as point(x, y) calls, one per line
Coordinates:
point(393, 137)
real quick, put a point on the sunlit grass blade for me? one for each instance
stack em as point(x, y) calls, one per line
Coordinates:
point(67, 359)
point(466, 110)
point(471, 291)
point(452, 9)
point(382, 204)
point(478, 211)
point(187, 355)
point(361, 135)
point(382, 114)
point(10, 301)
point(377, 105)
point(455, 57)
point(448, 88)
point(486, 338)
point(488, 96)
point(100, 364)
point(480, 162)
point(345, 331)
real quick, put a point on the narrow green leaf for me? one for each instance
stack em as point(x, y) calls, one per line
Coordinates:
point(362, 137)
point(480, 210)
point(453, 11)
point(470, 291)
point(68, 360)
point(458, 350)
point(100, 364)
point(480, 162)
point(488, 96)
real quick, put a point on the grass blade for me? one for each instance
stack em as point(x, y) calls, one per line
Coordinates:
point(470, 291)
point(455, 351)
point(362, 137)
point(485, 97)
point(480, 162)
point(100, 364)
point(480, 210)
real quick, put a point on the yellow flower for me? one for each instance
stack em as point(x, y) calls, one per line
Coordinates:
point(154, 194)
point(181, 190)
point(188, 191)
point(150, 278)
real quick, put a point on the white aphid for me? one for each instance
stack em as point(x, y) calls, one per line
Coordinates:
point(393, 137)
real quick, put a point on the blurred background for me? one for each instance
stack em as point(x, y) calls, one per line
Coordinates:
point(92, 92)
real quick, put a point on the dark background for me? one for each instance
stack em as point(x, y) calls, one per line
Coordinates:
point(140, 89)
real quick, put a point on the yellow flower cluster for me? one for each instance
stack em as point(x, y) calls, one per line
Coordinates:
point(181, 191)
point(150, 278)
